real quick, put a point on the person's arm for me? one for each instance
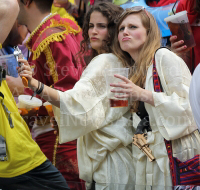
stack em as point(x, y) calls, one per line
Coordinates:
point(9, 10)
point(62, 72)
point(49, 94)
point(179, 48)
point(69, 7)
point(82, 109)
point(62, 3)
point(15, 85)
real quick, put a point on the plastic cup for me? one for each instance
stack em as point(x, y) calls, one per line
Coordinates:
point(9, 63)
point(49, 109)
point(109, 73)
point(179, 25)
point(26, 102)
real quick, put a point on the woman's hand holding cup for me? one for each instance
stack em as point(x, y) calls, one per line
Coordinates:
point(131, 91)
point(127, 88)
point(177, 46)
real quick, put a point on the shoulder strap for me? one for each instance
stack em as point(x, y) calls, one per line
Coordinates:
point(160, 48)
point(156, 80)
point(168, 144)
point(6, 110)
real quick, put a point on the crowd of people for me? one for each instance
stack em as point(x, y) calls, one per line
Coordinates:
point(88, 144)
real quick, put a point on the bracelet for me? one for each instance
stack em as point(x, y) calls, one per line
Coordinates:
point(40, 89)
point(0, 46)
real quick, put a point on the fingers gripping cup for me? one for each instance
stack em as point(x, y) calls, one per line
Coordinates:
point(179, 25)
point(109, 73)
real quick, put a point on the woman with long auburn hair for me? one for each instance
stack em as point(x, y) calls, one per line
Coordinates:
point(163, 115)
point(139, 67)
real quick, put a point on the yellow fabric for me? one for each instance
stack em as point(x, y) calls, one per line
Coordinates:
point(23, 153)
point(51, 63)
point(120, 2)
point(54, 37)
point(61, 11)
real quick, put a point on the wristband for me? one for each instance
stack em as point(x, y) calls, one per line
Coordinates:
point(40, 89)
point(0, 46)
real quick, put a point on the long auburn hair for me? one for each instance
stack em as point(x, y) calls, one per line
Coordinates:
point(139, 67)
point(108, 10)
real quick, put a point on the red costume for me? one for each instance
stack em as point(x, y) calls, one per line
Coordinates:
point(160, 3)
point(194, 20)
point(54, 45)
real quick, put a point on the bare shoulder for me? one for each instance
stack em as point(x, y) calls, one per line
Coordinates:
point(7, 6)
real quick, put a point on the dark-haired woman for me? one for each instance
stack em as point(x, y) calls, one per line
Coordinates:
point(104, 133)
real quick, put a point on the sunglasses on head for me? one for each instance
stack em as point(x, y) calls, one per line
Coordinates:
point(135, 9)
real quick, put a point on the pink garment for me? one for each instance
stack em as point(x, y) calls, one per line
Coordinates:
point(91, 2)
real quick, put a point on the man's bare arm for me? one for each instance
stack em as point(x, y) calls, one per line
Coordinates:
point(9, 10)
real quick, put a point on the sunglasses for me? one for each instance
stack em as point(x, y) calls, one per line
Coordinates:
point(135, 9)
